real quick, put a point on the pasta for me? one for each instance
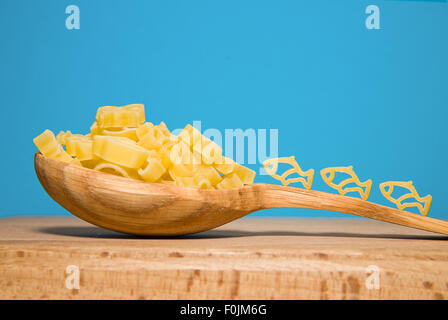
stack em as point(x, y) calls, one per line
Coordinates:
point(62, 137)
point(229, 182)
point(411, 194)
point(132, 115)
point(153, 170)
point(328, 175)
point(245, 174)
point(423, 204)
point(108, 167)
point(120, 142)
point(48, 145)
point(271, 167)
point(225, 165)
point(80, 146)
point(208, 173)
point(118, 150)
point(130, 133)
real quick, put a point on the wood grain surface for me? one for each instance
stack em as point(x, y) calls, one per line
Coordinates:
point(252, 258)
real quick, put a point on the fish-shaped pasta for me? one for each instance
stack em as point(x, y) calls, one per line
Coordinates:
point(271, 166)
point(328, 175)
point(424, 209)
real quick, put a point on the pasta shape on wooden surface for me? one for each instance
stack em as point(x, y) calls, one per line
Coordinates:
point(306, 177)
point(328, 175)
point(390, 185)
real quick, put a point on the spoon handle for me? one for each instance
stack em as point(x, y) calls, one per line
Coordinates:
point(274, 196)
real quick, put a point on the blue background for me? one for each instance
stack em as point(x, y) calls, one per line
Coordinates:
point(338, 93)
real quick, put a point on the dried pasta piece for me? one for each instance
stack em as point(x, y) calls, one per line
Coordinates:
point(230, 182)
point(181, 170)
point(131, 116)
point(80, 146)
point(211, 152)
point(166, 176)
point(245, 174)
point(70, 145)
point(154, 154)
point(129, 133)
point(94, 130)
point(202, 182)
point(180, 153)
point(162, 126)
point(84, 150)
point(143, 129)
point(328, 175)
point(48, 145)
point(209, 173)
point(196, 158)
point(190, 135)
point(65, 157)
point(203, 149)
point(118, 150)
point(424, 209)
point(117, 170)
point(71, 142)
point(198, 181)
point(203, 176)
point(271, 166)
point(62, 136)
point(153, 170)
point(225, 165)
point(91, 163)
point(164, 154)
point(153, 139)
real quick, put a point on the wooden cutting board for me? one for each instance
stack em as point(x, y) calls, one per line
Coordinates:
point(253, 258)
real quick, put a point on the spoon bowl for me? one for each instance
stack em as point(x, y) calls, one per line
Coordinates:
point(141, 208)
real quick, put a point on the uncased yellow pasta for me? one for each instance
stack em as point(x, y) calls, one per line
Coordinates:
point(225, 165)
point(245, 174)
point(153, 170)
point(80, 147)
point(120, 142)
point(131, 116)
point(143, 129)
point(210, 174)
point(62, 136)
point(48, 145)
point(111, 168)
point(118, 150)
point(230, 182)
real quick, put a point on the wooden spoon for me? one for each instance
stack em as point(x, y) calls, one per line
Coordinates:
point(142, 208)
